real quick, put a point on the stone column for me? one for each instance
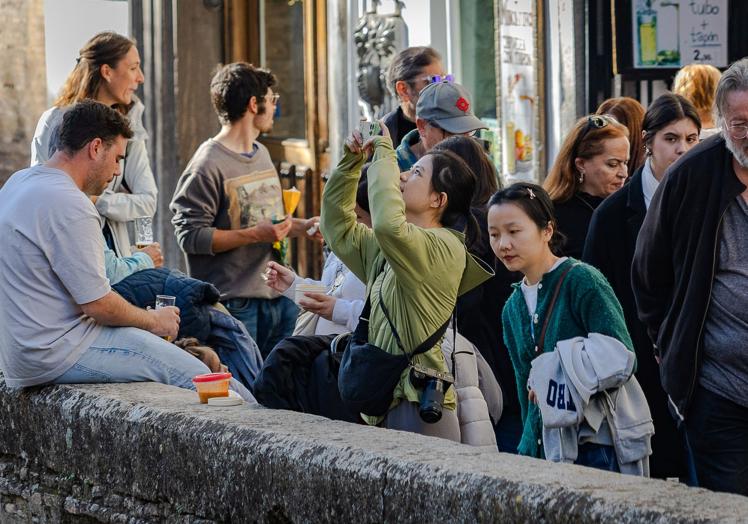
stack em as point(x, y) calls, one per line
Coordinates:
point(23, 81)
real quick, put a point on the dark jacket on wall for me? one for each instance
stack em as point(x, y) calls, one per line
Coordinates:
point(198, 318)
point(610, 246)
point(398, 125)
point(675, 261)
point(573, 218)
point(300, 374)
point(141, 289)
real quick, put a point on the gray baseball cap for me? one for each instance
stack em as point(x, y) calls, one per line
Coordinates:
point(447, 104)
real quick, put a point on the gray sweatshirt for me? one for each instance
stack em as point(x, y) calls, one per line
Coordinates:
point(585, 384)
point(221, 189)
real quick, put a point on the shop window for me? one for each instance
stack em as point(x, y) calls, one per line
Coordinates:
point(282, 51)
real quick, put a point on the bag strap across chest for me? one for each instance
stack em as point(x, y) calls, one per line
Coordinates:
point(549, 311)
point(362, 329)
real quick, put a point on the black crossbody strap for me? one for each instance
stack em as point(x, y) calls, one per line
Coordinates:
point(425, 345)
point(549, 311)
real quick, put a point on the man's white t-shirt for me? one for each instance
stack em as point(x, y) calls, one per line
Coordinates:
point(51, 261)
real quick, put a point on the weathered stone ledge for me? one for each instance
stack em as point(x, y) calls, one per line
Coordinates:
point(150, 453)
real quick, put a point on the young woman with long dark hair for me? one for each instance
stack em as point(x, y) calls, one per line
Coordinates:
point(671, 127)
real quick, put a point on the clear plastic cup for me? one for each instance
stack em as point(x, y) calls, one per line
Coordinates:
point(212, 385)
point(165, 301)
point(143, 232)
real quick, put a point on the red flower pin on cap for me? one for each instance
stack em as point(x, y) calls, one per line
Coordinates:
point(462, 104)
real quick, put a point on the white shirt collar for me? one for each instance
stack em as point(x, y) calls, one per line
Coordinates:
point(649, 182)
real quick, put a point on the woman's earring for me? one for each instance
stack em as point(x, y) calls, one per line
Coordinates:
point(581, 177)
point(647, 151)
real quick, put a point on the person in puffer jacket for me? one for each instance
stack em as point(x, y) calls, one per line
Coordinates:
point(479, 397)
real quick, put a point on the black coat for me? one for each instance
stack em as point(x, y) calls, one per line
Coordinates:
point(478, 315)
point(675, 261)
point(610, 246)
point(300, 374)
point(573, 219)
point(398, 125)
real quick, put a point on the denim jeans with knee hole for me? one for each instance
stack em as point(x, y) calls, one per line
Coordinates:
point(268, 320)
point(126, 354)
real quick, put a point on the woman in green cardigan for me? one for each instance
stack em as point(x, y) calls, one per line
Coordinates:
point(523, 236)
point(425, 264)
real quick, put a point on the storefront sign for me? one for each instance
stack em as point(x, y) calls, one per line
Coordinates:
point(519, 88)
point(673, 33)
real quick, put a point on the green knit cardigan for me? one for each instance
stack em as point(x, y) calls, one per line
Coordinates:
point(586, 304)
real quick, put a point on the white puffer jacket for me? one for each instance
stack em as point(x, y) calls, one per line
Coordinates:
point(472, 409)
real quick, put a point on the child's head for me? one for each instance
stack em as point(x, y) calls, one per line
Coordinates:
point(522, 226)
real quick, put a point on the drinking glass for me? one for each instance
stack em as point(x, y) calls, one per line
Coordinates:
point(143, 232)
point(165, 301)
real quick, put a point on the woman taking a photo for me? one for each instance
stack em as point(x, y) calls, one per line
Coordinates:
point(108, 71)
point(671, 127)
point(560, 301)
point(415, 265)
point(592, 164)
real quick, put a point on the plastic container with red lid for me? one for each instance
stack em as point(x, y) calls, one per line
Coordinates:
point(212, 385)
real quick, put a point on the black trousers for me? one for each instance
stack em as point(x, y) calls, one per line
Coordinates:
point(718, 433)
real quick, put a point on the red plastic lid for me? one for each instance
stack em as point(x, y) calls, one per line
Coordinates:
point(211, 377)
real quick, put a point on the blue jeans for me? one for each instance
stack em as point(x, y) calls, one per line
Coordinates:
point(268, 320)
point(597, 456)
point(128, 354)
point(508, 432)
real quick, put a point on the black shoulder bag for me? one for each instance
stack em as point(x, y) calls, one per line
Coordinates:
point(368, 374)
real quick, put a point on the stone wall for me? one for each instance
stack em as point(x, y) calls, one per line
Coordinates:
point(148, 452)
point(23, 81)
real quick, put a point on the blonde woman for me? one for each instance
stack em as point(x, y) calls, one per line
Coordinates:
point(698, 84)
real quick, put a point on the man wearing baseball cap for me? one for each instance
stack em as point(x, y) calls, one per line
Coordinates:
point(443, 110)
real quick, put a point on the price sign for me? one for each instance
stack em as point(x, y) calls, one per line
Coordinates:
point(673, 33)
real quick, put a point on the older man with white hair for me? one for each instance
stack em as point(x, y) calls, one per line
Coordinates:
point(690, 280)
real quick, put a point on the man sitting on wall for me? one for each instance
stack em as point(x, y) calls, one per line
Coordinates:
point(60, 321)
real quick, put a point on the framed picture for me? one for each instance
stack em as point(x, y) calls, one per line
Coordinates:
point(657, 37)
point(520, 88)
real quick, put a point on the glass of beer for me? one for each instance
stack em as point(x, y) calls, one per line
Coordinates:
point(143, 232)
point(165, 301)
